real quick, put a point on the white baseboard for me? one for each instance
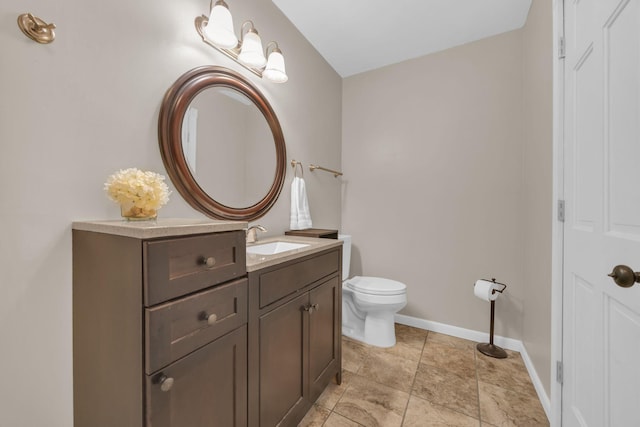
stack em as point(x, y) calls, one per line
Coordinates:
point(477, 336)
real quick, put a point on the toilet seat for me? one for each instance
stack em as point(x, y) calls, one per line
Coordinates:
point(376, 286)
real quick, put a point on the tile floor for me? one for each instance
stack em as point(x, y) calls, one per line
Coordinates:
point(427, 379)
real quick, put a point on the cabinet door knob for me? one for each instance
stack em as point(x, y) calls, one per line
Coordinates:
point(165, 382)
point(208, 262)
point(311, 307)
point(210, 318)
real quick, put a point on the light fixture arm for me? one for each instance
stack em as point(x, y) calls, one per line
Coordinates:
point(276, 48)
point(251, 28)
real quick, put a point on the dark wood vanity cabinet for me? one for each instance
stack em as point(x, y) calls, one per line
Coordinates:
point(160, 330)
point(294, 336)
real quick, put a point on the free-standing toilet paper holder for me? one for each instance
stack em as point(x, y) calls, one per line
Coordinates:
point(489, 348)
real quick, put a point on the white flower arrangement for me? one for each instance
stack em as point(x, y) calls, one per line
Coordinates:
point(139, 193)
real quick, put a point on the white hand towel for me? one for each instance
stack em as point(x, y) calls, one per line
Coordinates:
point(300, 215)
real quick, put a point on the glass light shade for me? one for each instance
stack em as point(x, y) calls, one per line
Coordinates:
point(275, 71)
point(251, 51)
point(219, 29)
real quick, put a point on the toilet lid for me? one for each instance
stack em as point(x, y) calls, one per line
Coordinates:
point(376, 286)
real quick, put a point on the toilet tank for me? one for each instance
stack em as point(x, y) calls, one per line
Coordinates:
point(346, 255)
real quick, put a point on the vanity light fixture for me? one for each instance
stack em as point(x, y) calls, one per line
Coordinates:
point(274, 70)
point(217, 31)
point(220, 31)
point(251, 47)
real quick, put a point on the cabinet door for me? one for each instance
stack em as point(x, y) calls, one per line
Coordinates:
point(283, 352)
point(206, 388)
point(324, 335)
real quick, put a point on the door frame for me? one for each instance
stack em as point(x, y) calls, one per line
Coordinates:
point(557, 228)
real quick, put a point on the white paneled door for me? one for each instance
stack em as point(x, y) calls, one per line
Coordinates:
point(601, 320)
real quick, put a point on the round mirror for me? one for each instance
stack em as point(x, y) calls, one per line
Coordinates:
point(222, 144)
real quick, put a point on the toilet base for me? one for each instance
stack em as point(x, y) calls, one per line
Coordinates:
point(353, 333)
point(379, 330)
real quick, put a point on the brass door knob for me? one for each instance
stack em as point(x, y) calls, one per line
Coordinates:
point(624, 276)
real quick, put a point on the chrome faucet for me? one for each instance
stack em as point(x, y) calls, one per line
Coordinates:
point(252, 233)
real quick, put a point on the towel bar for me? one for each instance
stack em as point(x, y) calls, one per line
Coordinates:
point(335, 173)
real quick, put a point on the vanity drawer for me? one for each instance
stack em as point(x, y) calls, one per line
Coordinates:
point(177, 267)
point(175, 329)
point(279, 283)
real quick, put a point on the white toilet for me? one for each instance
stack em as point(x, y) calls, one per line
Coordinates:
point(369, 304)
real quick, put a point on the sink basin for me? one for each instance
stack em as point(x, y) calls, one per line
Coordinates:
point(273, 248)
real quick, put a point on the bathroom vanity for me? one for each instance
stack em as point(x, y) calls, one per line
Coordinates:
point(159, 323)
point(169, 329)
point(295, 346)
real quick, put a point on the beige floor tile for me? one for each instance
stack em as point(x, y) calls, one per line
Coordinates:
point(372, 404)
point(334, 392)
point(421, 413)
point(390, 369)
point(402, 349)
point(502, 408)
point(410, 336)
point(514, 360)
point(316, 417)
point(450, 341)
point(445, 388)
point(354, 354)
point(509, 373)
point(337, 420)
point(459, 360)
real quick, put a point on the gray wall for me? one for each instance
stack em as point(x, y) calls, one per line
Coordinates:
point(447, 162)
point(537, 185)
point(432, 151)
point(73, 112)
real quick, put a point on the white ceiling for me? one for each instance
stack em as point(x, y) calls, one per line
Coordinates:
point(360, 35)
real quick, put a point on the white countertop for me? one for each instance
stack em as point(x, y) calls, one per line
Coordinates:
point(162, 227)
point(258, 262)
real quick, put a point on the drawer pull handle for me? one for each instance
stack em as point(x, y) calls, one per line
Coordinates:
point(210, 318)
point(165, 383)
point(208, 262)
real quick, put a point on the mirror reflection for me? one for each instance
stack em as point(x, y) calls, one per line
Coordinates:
point(229, 146)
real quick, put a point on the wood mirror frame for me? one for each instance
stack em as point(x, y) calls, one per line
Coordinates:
point(174, 106)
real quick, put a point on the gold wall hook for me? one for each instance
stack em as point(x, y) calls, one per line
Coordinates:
point(36, 29)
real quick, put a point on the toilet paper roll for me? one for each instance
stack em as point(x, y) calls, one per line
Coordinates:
point(483, 289)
